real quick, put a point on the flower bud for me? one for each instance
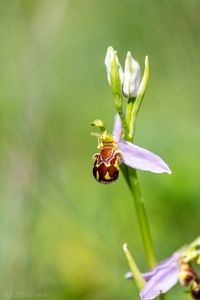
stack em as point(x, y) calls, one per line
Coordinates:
point(113, 74)
point(131, 77)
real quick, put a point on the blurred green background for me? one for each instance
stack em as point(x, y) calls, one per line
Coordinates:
point(61, 233)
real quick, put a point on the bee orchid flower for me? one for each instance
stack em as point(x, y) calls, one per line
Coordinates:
point(114, 151)
point(174, 269)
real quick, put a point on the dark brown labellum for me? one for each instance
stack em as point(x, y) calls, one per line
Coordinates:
point(106, 164)
point(196, 289)
point(187, 274)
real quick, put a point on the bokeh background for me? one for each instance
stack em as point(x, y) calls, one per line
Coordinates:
point(61, 233)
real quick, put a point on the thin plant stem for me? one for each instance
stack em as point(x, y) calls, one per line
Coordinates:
point(134, 187)
point(133, 184)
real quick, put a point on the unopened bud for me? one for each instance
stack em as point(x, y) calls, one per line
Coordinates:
point(131, 77)
point(114, 70)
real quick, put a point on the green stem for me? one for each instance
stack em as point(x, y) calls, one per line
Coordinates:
point(142, 219)
point(133, 184)
point(129, 112)
point(130, 174)
point(123, 120)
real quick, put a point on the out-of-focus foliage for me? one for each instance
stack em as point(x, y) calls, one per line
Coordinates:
point(61, 233)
